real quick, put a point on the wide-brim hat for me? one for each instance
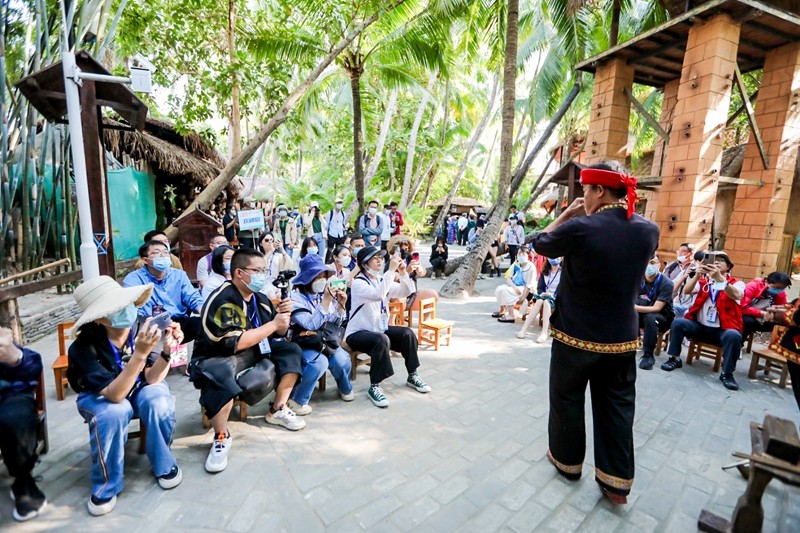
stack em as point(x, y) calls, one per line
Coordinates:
point(311, 266)
point(726, 258)
point(368, 252)
point(103, 296)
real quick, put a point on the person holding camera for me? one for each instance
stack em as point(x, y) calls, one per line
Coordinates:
point(654, 306)
point(277, 261)
point(368, 328)
point(242, 330)
point(118, 371)
point(715, 317)
point(439, 257)
point(20, 372)
point(316, 227)
point(317, 318)
point(285, 230)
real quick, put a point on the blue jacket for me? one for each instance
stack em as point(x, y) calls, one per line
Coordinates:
point(21, 378)
point(174, 292)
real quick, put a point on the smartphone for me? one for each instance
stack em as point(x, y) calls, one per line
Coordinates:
point(709, 258)
point(340, 284)
point(415, 256)
point(162, 321)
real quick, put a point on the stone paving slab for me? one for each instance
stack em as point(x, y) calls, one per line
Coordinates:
point(470, 456)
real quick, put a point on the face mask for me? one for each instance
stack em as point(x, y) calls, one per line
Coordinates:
point(651, 270)
point(376, 273)
point(344, 261)
point(251, 205)
point(283, 213)
point(257, 282)
point(522, 259)
point(227, 267)
point(313, 250)
point(338, 205)
point(356, 250)
point(554, 262)
point(373, 210)
point(773, 291)
point(162, 263)
point(124, 318)
point(681, 258)
point(513, 222)
point(318, 286)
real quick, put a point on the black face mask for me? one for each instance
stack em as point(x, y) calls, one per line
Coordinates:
point(403, 253)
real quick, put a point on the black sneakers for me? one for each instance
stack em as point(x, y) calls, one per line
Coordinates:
point(728, 381)
point(647, 361)
point(28, 499)
point(672, 363)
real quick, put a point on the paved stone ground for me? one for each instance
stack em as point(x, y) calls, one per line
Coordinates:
point(470, 456)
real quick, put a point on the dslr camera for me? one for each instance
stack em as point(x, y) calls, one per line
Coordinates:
point(282, 282)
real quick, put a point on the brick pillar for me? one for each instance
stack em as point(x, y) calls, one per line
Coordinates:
point(611, 112)
point(759, 214)
point(669, 101)
point(694, 156)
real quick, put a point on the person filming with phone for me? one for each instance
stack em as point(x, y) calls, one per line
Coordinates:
point(118, 371)
point(715, 317)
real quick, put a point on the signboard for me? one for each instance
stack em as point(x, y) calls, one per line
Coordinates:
point(251, 219)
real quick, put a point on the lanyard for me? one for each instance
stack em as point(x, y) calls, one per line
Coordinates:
point(254, 317)
point(654, 288)
point(314, 302)
point(714, 295)
point(118, 356)
point(383, 304)
point(549, 283)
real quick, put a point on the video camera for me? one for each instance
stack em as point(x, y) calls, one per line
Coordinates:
point(283, 281)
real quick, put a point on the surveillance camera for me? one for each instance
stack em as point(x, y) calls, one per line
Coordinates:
point(139, 61)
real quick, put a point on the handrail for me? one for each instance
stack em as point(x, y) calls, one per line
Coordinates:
point(48, 266)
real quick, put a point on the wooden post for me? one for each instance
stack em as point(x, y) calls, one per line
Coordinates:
point(9, 318)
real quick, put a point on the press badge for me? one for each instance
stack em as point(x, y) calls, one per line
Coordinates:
point(264, 346)
point(711, 316)
point(384, 321)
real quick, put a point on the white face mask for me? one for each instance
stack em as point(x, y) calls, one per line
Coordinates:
point(681, 258)
point(338, 206)
point(313, 250)
point(344, 261)
point(522, 259)
point(319, 285)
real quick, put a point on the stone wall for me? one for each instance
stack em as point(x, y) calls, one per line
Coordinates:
point(39, 325)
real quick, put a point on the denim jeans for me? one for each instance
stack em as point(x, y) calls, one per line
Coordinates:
point(729, 339)
point(108, 433)
point(314, 366)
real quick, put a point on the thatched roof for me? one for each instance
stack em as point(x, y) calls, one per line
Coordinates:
point(459, 201)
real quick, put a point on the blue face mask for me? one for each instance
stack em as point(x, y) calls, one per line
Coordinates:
point(554, 262)
point(124, 318)
point(257, 282)
point(313, 251)
point(356, 250)
point(162, 263)
point(773, 291)
point(651, 270)
point(227, 267)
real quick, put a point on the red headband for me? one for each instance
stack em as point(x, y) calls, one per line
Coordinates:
point(614, 180)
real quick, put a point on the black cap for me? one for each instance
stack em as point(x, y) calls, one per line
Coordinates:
point(367, 253)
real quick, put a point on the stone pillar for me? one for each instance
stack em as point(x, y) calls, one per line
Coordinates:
point(694, 157)
point(611, 113)
point(669, 101)
point(759, 215)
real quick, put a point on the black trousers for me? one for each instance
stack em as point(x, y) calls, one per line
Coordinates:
point(752, 324)
point(333, 242)
point(512, 251)
point(19, 432)
point(652, 324)
point(377, 346)
point(794, 373)
point(438, 265)
point(612, 381)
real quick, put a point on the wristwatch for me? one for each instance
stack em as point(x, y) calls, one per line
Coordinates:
point(166, 356)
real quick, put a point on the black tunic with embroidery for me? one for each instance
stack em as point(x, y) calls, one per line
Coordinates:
point(605, 256)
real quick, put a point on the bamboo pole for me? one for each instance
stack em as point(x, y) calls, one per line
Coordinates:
point(33, 271)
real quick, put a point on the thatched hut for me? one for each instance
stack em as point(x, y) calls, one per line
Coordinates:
point(183, 164)
point(459, 205)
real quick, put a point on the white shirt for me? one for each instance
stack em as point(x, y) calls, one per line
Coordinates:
point(369, 298)
point(213, 281)
point(702, 317)
point(387, 227)
point(203, 268)
point(336, 221)
point(514, 235)
point(463, 222)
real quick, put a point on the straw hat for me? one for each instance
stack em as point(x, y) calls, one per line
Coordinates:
point(102, 296)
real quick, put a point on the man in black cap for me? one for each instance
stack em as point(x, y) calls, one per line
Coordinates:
point(595, 327)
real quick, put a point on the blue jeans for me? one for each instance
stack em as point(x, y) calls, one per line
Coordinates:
point(314, 366)
point(108, 433)
point(729, 339)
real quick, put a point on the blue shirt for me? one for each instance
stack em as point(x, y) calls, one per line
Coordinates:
point(174, 292)
point(21, 378)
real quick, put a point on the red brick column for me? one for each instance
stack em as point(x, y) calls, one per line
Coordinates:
point(759, 213)
point(694, 157)
point(611, 113)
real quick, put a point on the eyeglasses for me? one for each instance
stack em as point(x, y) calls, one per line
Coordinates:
point(255, 270)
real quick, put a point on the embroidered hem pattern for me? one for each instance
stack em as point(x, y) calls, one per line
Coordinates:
point(598, 347)
point(569, 469)
point(611, 206)
point(788, 354)
point(611, 481)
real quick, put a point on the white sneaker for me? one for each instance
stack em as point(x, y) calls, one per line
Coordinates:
point(217, 459)
point(521, 335)
point(171, 479)
point(300, 410)
point(543, 338)
point(285, 417)
point(349, 397)
point(99, 509)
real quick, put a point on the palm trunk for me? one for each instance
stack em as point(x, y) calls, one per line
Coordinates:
point(431, 177)
point(391, 106)
point(213, 189)
point(358, 140)
point(421, 179)
point(460, 284)
point(412, 144)
point(613, 34)
point(235, 130)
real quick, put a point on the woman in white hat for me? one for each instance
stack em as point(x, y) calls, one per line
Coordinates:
point(118, 376)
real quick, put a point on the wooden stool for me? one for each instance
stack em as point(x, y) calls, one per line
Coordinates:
point(432, 330)
point(771, 359)
point(748, 342)
point(699, 349)
point(662, 342)
point(236, 403)
point(61, 362)
point(140, 434)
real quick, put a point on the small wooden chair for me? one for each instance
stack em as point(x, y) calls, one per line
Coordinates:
point(61, 362)
point(662, 342)
point(748, 342)
point(236, 403)
point(699, 349)
point(767, 359)
point(397, 310)
point(432, 330)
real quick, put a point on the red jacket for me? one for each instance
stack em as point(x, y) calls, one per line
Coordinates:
point(730, 313)
point(398, 222)
point(754, 290)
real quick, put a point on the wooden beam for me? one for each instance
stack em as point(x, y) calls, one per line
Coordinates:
point(739, 181)
point(15, 291)
point(659, 50)
point(36, 270)
point(741, 110)
point(642, 111)
point(751, 118)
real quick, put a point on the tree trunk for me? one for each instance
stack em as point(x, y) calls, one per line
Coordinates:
point(254, 171)
point(613, 34)
point(391, 106)
point(476, 135)
point(235, 130)
point(412, 144)
point(461, 283)
point(355, 69)
point(213, 189)
point(418, 182)
point(431, 177)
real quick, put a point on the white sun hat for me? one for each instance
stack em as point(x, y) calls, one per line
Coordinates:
point(103, 296)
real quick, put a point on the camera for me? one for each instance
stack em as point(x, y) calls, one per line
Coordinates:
point(709, 258)
point(283, 281)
